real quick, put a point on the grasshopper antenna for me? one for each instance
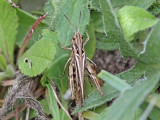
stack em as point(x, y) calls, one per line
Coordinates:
point(79, 21)
point(70, 23)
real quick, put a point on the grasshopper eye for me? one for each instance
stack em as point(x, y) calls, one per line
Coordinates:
point(25, 60)
point(73, 38)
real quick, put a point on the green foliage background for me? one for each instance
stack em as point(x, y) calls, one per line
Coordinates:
point(132, 26)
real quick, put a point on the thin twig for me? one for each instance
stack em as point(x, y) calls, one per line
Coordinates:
point(7, 82)
point(17, 111)
point(39, 92)
point(54, 91)
point(27, 114)
point(30, 33)
point(12, 114)
point(2, 101)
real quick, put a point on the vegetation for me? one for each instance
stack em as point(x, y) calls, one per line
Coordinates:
point(133, 26)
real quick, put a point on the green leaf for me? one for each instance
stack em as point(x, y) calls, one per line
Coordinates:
point(51, 8)
point(94, 4)
point(102, 40)
point(101, 116)
point(131, 76)
point(113, 29)
point(134, 19)
point(155, 8)
point(15, 1)
point(125, 106)
point(155, 114)
point(26, 21)
point(91, 45)
point(114, 81)
point(52, 103)
point(45, 106)
point(72, 9)
point(53, 36)
point(104, 43)
point(9, 73)
point(55, 72)
point(96, 18)
point(90, 115)
point(8, 29)
point(3, 63)
point(138, 3)
point(40, 55)
point(88, 88)
point(150, 55)
point(156, 97)
point(95, 99)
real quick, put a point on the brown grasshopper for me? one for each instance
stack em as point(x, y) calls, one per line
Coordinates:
point(78, 64)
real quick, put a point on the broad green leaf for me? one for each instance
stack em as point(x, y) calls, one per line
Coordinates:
point(91, 45)
point(94, 4)
point(55, 72)
point(26, 21)
point(72, 9)
point(102, 40)
point(134, 19)
point(155, 114)
point(58, 114)
point(62, 113)
point(125, 106)
point(15, 1)
point(114, 81)
point(104, 43)
point(3, 63)
point(96, 19)
point(147, 110)
point(51, 8)
point(9, 73)
point(37, 58)
point(89, 115)
point(101, 116)
point(111, 26)
point(52, 103)
point(113, 29)
point(138, 3)
point(8, 29)
point(156, 97)
point(130, 76)
point(45, 106)
point(155, 8)
point(150, 55)
point(88, 88)
point(95, 99)
point(53, 36)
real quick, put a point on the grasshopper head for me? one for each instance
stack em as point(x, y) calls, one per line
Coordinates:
point(77, 38)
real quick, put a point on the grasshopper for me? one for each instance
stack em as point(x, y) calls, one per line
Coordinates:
point(78, 64)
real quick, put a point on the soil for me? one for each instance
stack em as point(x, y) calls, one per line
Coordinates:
point(112, 61)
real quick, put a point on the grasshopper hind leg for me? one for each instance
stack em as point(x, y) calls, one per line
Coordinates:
point(92, 76)
point(71, 81)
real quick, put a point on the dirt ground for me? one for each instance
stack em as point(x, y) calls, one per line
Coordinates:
point(112, 61)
